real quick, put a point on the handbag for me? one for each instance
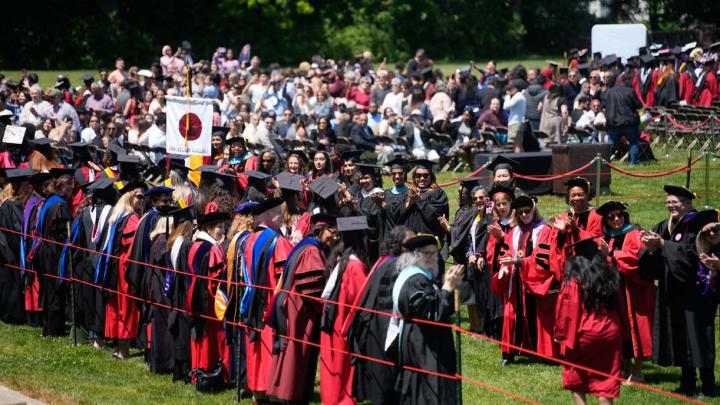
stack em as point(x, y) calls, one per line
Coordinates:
point(209, 381)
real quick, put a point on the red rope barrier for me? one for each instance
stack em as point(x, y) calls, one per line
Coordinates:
point(654, 174)
point(240, 283)
point(450, 183)
point(556, 176)
point(683, 127)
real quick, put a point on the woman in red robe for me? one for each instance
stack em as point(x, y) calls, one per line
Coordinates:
point(706, 89)
point(208, 345)
point(588, 327)
point(580, 212)
point(122, 312)
point(621, 242)
point(344, 285)
point(527, 319)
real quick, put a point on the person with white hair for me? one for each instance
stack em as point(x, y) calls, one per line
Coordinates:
point(394, 99)
point(422, 292)
point(35, 110)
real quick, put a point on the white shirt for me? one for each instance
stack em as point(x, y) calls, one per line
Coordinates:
point(393, 101)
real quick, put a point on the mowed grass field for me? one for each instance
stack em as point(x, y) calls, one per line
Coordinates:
point(48, 77)
point(51, 370)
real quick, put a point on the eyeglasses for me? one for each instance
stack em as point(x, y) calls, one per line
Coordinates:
point(481, 198)
point(139, 196)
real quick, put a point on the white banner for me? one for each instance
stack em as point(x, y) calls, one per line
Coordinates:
point(189, 125)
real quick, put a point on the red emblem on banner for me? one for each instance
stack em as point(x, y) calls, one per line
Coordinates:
point(190, 126)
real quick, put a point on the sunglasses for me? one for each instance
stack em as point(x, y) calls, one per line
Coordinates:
point(524, 211)
point(139, 196)
point(614, 215)
point(479, 198)
point(422, 175)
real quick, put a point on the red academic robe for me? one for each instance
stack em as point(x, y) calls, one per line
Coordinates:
point(709, 91)
point(594, 222)
point(121, 311)
point(206, 350)
point(336, 372)
point(259, 352)
point(584, 335)
point(510, 286)
point(541, 282)
point(637, 298)
point(686, 87)
point(292, 373)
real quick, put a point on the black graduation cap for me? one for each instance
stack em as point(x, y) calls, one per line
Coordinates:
point(358, 223)
point(502, 189)
point(324, 186)
point(81, 179)
point(426, 74)
point(323, 219)
point(235, 139)
point(501, 162)
point(470, 183)
point(679, 191)
point(677, 50)
point(369, 170)
point(18, 175)
point(289, 181)
point(610, 206)
point(212, 173)
point(597, 55)
point(643, 50)
point(132, 185)
point(183, 214)
point(581, 182)
point(246, 207)
point(583, 67)
point(256, 175)
point(42, 145)
point(423, 163)
point(212, 217)
point(116, 149)
point(57, 172)
point(503, 71)
point(353, 155)
point(523, 200)
point(266, 205)
point(586, 248)
point(398, 163)
point(421, 240)
point(299, 154)
point(38, 179)
point(101, 184)
point(158, 190)
point(563, 69)
point(129, 167)
point(647, 59)
point(81, 152)
point(220, 130)
point(714, 47)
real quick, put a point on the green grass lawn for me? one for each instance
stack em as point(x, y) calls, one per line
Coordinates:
point(51, 370)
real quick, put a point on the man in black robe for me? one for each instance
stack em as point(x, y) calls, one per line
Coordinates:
point(426, 203)
point(392, 209)
point(373, 381)
point(683, 328)
point(417, 295)
point(12, 299)
point(52, 225)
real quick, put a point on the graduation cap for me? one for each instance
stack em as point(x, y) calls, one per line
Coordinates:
point(714, 47)
point(583, 67)
point(610, 206)
point(81, 152)
point(42, 145)
point(421, 240)
point(236, 139)
point(266, 205)
point(581, 182)
point(423, 164)
point(501, 162)
point(689, 46)
point(679, 191)
point(497, 189)
point(57, 172)
point(426, 74)
point(246, 208)
point(101, 184)
point(597, 55)
point(183, 214)
point(212, 173)
point(220, 130)
point(470, 183)
point(369, 170)
point(130, 185)
point(586, 248)
point(563, 69)
point(397, 163)
point(116, 149)
point(38, 179)
point(523, 200)
point(300, 154)
point(81, 179)
point(357, 223)
point(324, 186)
point(643, 50)
point(647, 59)
point(677, 50)
point(323, 219)
point(129, 167)
point(211, 217)
point(353, 155)
point(18, 175)
point(158, 190)
point(289, 181)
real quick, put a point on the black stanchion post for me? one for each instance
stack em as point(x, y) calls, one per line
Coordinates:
point(689, 171)
point(598, 172)
point(72, 291)
point(458, 345)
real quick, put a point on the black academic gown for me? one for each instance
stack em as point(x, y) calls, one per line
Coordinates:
point(373, 381)
point(179, 323)
point(426, 347)
point(367, 207)
point(459, 235)
point(666, 92)
point(393, 214)
point(160, 357)
point(12, 286)
point(683, 327)
point(89, 303)
point(422, 216)
point(53, 292)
